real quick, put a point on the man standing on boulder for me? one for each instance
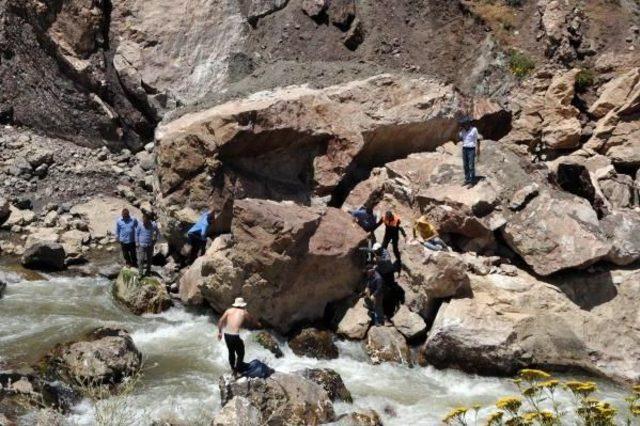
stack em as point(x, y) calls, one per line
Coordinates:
point(198, 233)
point(146, 237)
point(470, 149)
point(233, 320)
point(126, 236)
point(375, 293)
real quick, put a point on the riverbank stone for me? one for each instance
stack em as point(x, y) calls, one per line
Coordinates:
point(141, 295)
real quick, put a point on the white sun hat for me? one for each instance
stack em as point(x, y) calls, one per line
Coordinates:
point(239, 303)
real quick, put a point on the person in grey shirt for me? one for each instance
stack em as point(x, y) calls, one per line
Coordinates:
point(146, 237)
point(470, 149)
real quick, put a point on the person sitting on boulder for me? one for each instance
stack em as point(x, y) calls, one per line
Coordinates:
point(146, 237)
point(198, 233)
point(427, 235)
point(126, 236)
point(366, 218)
point(392, 232)
point(233, 320)
point(375, 293)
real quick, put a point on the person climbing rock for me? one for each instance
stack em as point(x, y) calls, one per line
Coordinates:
point(375, 294)
point(126, 236)
point(366, 218)
point(393, 294)
point(197, 235)
point(426, 234)
point(392, 232)
point(233, 320)
point(146, 238)
point(470, 149)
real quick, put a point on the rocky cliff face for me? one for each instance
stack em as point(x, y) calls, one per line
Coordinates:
point(286, 114)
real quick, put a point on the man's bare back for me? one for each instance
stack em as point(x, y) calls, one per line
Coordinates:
point(232, 321)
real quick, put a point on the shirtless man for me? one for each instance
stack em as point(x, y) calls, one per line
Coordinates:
point(233, 319)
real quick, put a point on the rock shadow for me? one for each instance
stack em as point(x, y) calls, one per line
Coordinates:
point(585, 289)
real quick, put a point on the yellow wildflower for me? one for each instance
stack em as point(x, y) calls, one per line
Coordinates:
point(549, 384)
point(636, 388)
point(509, 403)
point(495, 418)
point(583, 389)
point(455, 414)
point(530, 375)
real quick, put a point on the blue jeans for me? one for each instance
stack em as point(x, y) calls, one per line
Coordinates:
point(435, 244)
point(469, 162)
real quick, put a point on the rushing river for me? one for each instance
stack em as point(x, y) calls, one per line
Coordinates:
point(183, 359)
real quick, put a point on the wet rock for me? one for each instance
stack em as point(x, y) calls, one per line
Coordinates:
point(556, 231)
point(141, 295)
point(110, 271)
point(314, 343)
point(45, 255)
point(410, 324)
point(386, 344)
point(107, 356)
point(238, 412)
point(282, 398)
point(3, 288)
point(356, 321)
point(331, 381)
point(511, 323)
point(190, 284)
point(359, 418)
point(286, 260)
point(267, 341)
point(623, 230)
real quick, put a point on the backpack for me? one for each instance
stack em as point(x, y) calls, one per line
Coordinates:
point(256, 369)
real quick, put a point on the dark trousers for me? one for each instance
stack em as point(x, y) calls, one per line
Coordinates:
point(129, 254)
point(469, 163)
point(392, 237)
point(235, 345)
point(197, 248)
point(145, 255)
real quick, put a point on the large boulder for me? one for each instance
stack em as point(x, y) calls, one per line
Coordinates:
point(238, 412)
point(314, 343)
point(556, 231)
point(297, 143)
point(281, 399)
point(410, 324)
point(287, 261)
point(331, 381)
point(267, 341)
point(587, 322)
point(141, 295)
point(356, 321)
point(101, 214)
point(623, 230)
point(107, 356)
point(358, 418)
point(47, 255)
point(386, 344)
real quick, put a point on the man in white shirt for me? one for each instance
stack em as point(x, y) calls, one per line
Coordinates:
point(470, 149)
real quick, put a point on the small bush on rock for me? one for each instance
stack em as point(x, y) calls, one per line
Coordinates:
point(584, 79)
point(520, 64)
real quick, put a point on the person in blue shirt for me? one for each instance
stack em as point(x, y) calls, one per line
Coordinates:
point(146, 237)
point(198, 233)
point(365, 217)
point(126, 236)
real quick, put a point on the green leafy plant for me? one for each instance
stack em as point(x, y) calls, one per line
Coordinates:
point(520, 64)
point(584, 79)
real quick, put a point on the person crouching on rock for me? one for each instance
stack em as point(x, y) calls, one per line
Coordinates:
point(146, 237)
point(198, 233)
point(426, 234)
point(392, 232)
point(375, 293)
point(126, 236)
point(366, 218)
point(233, 320)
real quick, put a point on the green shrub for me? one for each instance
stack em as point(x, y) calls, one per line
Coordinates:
point(584, 79)
point(520, 64)
point(514, 3)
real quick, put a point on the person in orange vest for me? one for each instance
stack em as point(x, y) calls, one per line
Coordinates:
point(392, 232)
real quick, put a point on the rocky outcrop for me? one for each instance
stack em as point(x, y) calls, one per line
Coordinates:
point(386, 344)
point(556, 231)
point(237, 412)
point(623, 230)
point(101, 214)
point(331, 381)
point(296, 143)
point(267, 341)
point(515, 322)
point(281, 399)
point(141, 295)
point(45, 255)
point(286, 260)
point(107, 356)
point(408, 323)
point(314, 343)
